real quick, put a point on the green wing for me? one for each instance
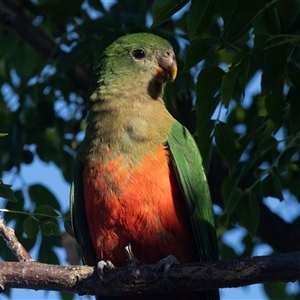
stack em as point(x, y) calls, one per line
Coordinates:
point(187, 164)
point(78, 216)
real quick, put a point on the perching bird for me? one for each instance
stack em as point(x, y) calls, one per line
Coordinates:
point(138, 176)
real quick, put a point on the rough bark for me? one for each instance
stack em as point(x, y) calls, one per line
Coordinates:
point(140, 278)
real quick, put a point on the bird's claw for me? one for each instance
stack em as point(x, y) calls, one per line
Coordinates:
point(101, 266)
point(166, 264)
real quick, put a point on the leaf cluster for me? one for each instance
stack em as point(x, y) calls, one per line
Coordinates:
point(257, 137)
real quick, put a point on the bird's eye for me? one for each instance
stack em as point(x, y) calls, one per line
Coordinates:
point(138, 53)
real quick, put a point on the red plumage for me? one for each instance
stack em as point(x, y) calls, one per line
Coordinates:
point(142, 205)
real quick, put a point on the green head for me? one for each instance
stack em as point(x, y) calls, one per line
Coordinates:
point(142, 60)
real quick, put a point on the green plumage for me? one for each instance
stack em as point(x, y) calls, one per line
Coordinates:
point(187, 163)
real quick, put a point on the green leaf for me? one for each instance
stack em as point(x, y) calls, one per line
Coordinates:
point(208, 83)
point(31, 227)
point(276, 290)
point(243, 62)
point(6, 192)
point(227, 187)
point(97, 5)
point(244, 73)
point(243, 53)
point(46, 253)
point(49, 228)
point(293, 97)
point(271, 20)
point(247, 211)
point(198, 50)
point(230, 86)
point(293, 71)
point(271, 186)
point(229, 12)
point(274, 68)
point(266, 144)
point(285, 158)
point(226, 144)
point(288, 10)
point(40, 195)
point(164, 10)
point(204, 141)
point(14, 206)
point(238, 17)
point(78, 55)
point(69, 228)
point(231, 195)
point(3, 134)
point(66, 295)
point(200, 16)
point(44, 211)
point(275, 104)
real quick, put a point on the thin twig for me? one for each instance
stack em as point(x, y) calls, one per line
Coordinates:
point(13, 243)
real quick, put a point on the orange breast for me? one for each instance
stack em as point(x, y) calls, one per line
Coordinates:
point(141, 205)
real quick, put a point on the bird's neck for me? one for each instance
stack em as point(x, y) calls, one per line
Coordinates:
point(126, 120)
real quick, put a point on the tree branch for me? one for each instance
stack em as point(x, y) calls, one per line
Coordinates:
point(138, 278)
point(147, 279)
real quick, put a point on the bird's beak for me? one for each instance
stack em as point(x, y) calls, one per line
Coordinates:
point(166, 70)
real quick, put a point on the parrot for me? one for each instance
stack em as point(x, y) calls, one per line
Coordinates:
point(138, 177)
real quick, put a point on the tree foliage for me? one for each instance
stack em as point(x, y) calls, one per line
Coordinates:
point(248, 137)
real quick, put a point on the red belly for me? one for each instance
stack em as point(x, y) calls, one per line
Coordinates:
point(142, 205)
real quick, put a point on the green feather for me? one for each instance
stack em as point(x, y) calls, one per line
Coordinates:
point(78, 216)
point(188, 167)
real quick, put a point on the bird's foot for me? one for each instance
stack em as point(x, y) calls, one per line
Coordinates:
point(132, 262)
point(164, 266)
point(103, 265)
